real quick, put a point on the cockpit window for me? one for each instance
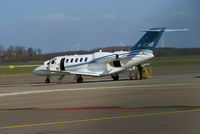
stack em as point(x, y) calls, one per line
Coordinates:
point(53, 61)
point(47, 62)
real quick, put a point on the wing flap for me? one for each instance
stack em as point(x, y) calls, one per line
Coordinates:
point(85, 73)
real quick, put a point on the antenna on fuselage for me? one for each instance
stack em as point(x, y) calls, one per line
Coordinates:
point(77, 46)
point(162, 41)
point(121, 43)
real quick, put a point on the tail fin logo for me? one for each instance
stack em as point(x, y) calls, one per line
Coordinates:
point(151, 44)
point(145, 45)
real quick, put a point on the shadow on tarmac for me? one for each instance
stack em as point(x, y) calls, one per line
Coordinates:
point(177, 107)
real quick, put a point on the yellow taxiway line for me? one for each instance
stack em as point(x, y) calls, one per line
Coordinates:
point(99, 119)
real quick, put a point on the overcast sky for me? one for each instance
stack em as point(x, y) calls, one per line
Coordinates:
point(59, 25)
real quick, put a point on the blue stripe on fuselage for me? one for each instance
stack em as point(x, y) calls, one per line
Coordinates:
point(112, 56)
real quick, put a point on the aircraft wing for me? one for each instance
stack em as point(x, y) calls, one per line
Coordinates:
point(84, 73)
point(78, 72)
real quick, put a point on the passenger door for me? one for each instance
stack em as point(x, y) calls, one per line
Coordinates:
point(62, 64)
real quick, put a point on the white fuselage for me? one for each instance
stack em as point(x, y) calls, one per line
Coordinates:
point(97, 64)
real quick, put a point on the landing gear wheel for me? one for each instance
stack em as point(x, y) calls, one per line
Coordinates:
point(47, 80)
point(115, 77)
point(79, 80)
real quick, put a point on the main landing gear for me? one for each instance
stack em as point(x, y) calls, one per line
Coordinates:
point(115, 77)
point(47, 80)
point(79, 79)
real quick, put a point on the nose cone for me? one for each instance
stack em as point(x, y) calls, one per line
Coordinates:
point(36, 71)
point(41, 70)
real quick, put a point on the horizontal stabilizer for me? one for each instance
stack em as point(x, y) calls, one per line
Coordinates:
point(166, 30)
point(175, 30)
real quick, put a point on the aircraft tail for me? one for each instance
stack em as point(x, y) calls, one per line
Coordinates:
point(149, 40)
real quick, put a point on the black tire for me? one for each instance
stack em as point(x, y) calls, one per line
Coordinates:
point(79, 80)
point(47, 80)
point(115, 77)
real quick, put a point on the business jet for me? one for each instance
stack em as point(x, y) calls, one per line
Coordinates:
point(103, 63)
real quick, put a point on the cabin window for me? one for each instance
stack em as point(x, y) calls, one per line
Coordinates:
point(67, 60)
point(76, 60)
point(71, 60)
point(81, 59)
point(86, 59)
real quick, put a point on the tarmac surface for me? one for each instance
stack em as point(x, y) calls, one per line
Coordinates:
point(165, 104)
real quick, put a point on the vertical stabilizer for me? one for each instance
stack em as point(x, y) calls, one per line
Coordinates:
point(149, 40)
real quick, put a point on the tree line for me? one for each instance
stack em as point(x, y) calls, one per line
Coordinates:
point(19, 54)
point(22, 54)
point(170, 52)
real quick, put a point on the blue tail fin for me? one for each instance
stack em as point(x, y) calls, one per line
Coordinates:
point(150, 39)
